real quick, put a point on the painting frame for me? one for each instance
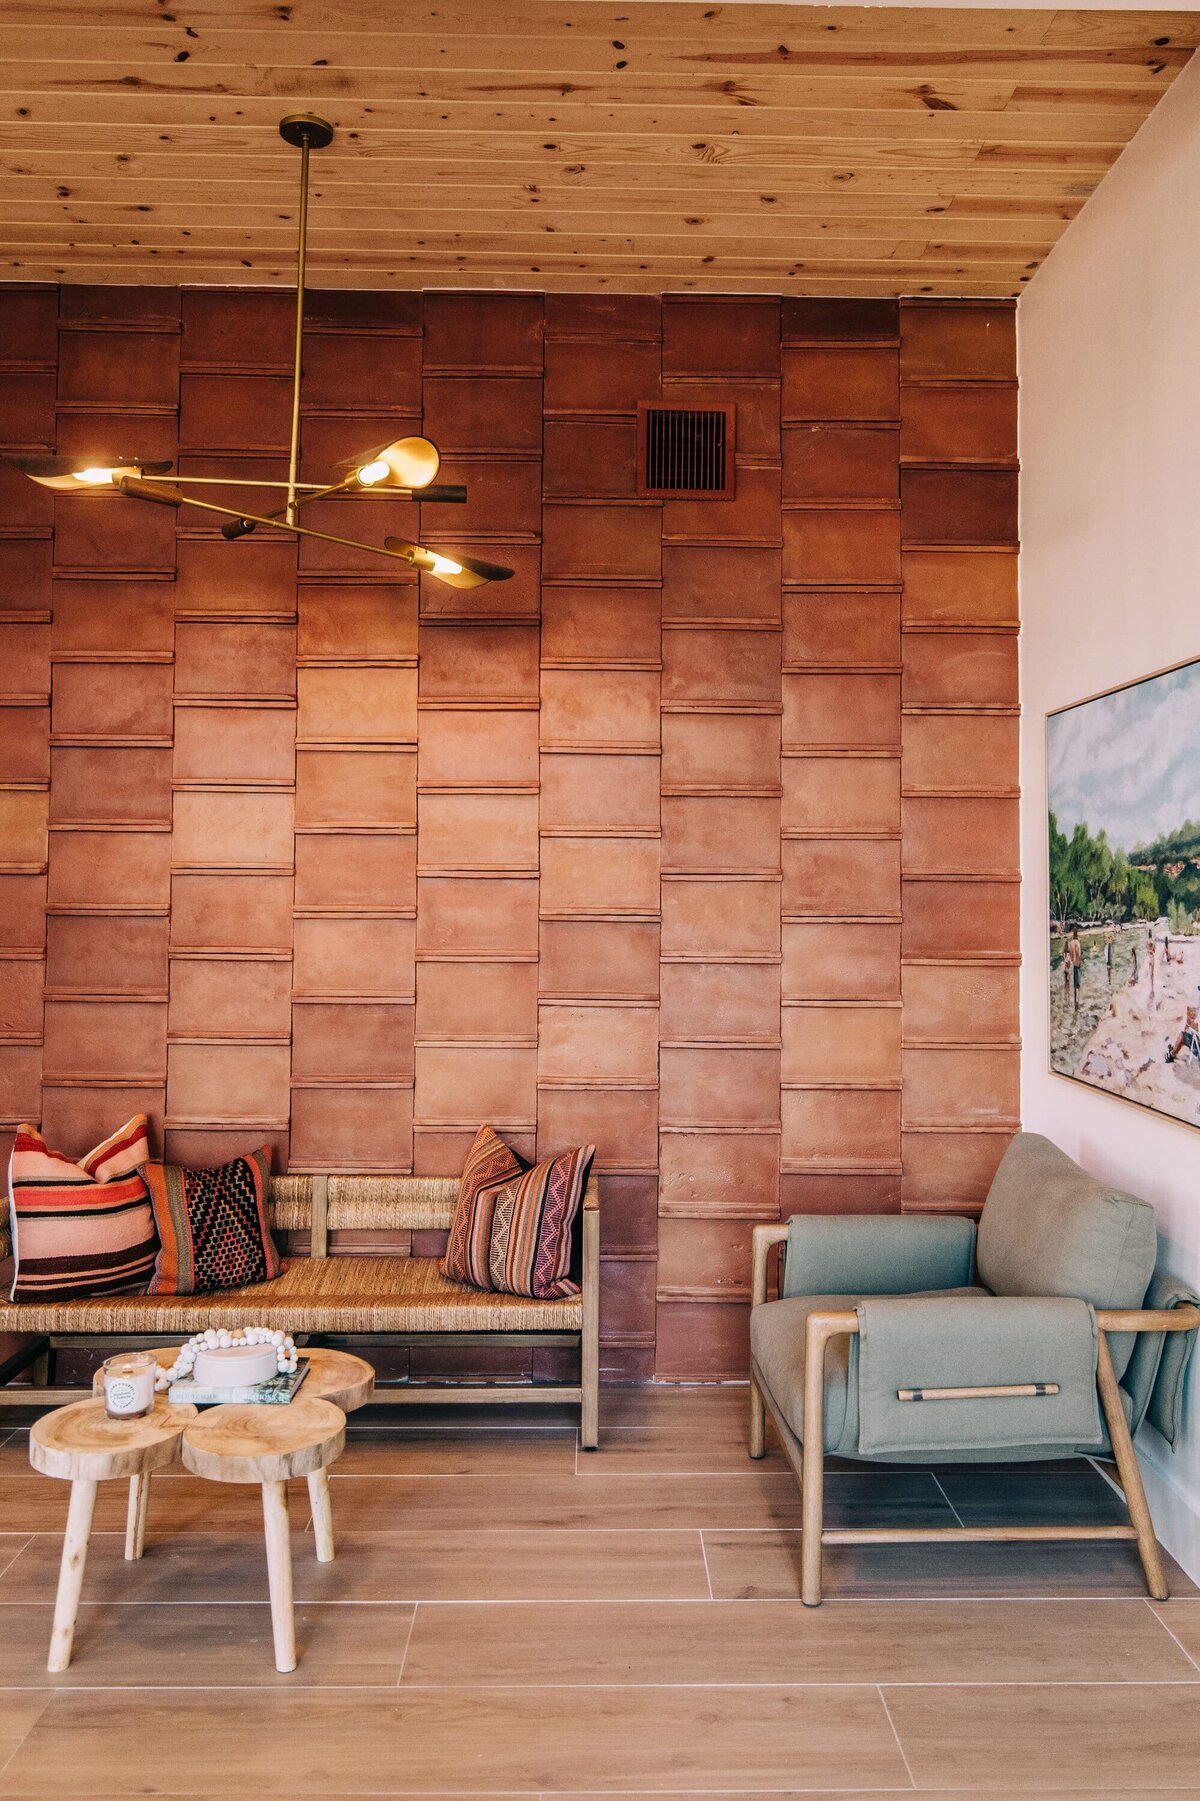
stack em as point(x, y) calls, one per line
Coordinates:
point(1122, 898)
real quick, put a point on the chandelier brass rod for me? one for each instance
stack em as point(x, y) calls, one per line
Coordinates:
point(131, 486)
point(301, 262)
point(233, 481)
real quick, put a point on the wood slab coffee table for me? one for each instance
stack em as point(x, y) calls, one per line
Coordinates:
point(269, 1445)
point(79, 1444)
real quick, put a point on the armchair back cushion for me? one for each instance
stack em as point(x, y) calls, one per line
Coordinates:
point(838, 1253)
point(1048, 1228)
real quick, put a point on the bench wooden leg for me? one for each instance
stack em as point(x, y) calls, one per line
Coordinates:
point(322, 1514)
point(70, 1574)
point(589, 1338)
point(277, 1532)
point(135, 1519)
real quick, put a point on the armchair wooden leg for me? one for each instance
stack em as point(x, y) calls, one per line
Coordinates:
point(758, 1422)
point(812, 1464)
point(1130, 1474)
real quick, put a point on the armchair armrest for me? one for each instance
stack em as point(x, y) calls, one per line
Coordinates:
point(763, 1240)
point(877, 1254)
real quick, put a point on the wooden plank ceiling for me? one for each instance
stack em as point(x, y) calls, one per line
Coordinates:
point(565, 144)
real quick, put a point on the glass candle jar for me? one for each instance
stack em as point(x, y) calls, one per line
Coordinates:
point(129, 1384)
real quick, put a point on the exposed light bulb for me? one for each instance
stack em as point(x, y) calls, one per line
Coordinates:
point(444, 566)
point(370, 473)
point(95, 478)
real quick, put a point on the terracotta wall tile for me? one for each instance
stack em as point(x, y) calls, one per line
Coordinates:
point(478, 831)
point(483, 331)
point(720, 582)
point(21, 1082)
point(489, 748)
point(467, 1082)
point(968, 586)
point(23, 827)
point(348, 1043)
point(968, 424)
point(24, 745)
point(351, 369)
point(841, 794)
point(960, 750)
point(111, 532)
point(756, 410)
point(29, 320)
point(100, 784)
point(959, 506)
point(356, 787)
point(110, 869)
point(600, 625)
point(599, 957)
point(24, 505)
point(22, 911)
point(842, 1127)
point(600, 793)
point(463, 413)
point(230, 744)
point(839, 462)
point(702, 1341)
point(234, 412)
point(841, 382)
point(851, 546)
point(345, 621)
point(247, 912)
point(27, 409)
point(343, 1128)
point(112, 616)
point(391, 313)
point(106, 955)
point(518, 598)
point(479, 663)
point(243, 659)
point(720, 750)
point(21, 1000)
point(841, 876)
point(962, 1004)
point(706, 665)
point(629, 1212)
point(715, 1085)
point(149, 309)
point(105, 1038)
point(960, 669)
point(839, 1194)
point(950, 1171)
point(364, 706)
point(598, 1044)
point(840, 959)
point(130, 700)
point(236, 998)
point(600, 706)
point(477, 1000)
point(968, 1087)
point(600, 377)
point(231, 830)
point(621, 1122)
point(359, 519)
point(254, 576)
point(857, 711)
point(105, 368)
point(593, 458)
point(749, 516)
point(231, 328)
point(442, 1150)
point(725, 337)
point(627, 1300)
point(704, 1253)
point(600, 875)
point(348, 956)
point(720, 1000)
point(603, 316)
point(980, 836)
point(25, 582)
point(502, 496)
point(832, 1044)
point(345, 869)
point(617, 543)
point(76, 1119)
point(961, 919)
point(714, 919)
point(713, 832)
point(331, 443)
point(947, 343)
point(841, 628)
point(460, 915)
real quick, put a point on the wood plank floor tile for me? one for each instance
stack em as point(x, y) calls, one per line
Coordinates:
point(529, 1455)
point(19, 1713)
point(1022, 1737)
point(677, 1450)
point(185, 1503)
point(1034, 1494)
point(206, 1647)
point(1181, 1617)
point(779, 1641)
point(517, 1739)
point(766, 1566)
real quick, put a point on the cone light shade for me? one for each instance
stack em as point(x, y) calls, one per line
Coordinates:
point(407, 463)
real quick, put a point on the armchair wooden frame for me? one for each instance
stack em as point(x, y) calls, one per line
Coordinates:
point(809, 1469)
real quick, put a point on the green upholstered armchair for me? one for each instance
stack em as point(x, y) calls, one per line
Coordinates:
point(1044, 1334)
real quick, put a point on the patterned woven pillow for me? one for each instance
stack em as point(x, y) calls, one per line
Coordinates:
point(513, 1222)
point(83, 1228)
point(213, 1226)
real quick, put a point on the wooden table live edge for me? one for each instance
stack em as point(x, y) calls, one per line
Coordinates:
point(336, 1376)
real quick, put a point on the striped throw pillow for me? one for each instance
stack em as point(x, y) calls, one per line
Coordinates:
point(83, 1228)
point(513, 1223)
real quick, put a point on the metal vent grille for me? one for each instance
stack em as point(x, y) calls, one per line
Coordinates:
point(685, 450)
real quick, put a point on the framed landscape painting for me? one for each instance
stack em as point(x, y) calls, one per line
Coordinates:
point(1123, 775)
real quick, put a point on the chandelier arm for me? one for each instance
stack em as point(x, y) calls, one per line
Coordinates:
point(135, 490)
point(229, 481)
point(297, 361)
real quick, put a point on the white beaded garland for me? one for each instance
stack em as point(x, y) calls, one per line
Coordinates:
point(286, 1355)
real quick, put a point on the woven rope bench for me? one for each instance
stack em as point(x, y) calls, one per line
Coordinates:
point(405, 1299)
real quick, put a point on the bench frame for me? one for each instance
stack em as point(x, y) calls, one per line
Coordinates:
point(807, 1460)
point(38, 1357)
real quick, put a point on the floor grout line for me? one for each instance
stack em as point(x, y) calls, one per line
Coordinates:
point(888, 1716)
point(707, 1571)
point(937, 1483)
point(1170, 1634)
point(407, 1642)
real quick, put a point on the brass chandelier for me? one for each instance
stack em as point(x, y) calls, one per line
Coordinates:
point(405, 469)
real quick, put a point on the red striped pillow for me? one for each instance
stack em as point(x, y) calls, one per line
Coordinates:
point(83, 1228)
point(512, 1226)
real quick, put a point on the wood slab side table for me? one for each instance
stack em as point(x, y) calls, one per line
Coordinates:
point(269, 1445)
point(79, 1444)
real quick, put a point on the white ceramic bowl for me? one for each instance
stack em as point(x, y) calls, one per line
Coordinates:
point(236, 1366)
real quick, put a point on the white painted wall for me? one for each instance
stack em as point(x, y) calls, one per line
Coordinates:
point(1109, 355)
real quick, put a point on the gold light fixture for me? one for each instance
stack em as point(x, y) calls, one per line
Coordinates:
point(403, 470)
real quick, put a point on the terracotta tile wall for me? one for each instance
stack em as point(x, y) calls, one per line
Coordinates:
point(698, 838)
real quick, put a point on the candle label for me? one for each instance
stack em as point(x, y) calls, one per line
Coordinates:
point(122, 1396)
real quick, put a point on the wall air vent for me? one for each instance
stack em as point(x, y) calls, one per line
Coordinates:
point(685, 451)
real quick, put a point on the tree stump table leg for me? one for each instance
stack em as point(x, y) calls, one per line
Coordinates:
point(70, 1574)
point(135, 1522)
point(276, 1529)
point(322, 1514)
